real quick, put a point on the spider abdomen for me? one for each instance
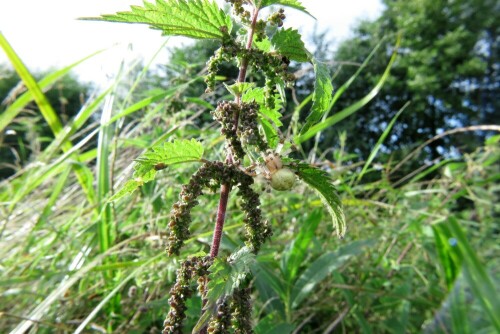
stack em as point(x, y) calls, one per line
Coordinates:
point(283, 179)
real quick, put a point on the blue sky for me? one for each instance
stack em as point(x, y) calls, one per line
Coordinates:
point(46, 33)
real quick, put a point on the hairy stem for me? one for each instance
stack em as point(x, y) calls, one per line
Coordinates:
point(225, 188)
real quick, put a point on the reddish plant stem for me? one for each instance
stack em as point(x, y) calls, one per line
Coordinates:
point(221, 215)
point(225, 189)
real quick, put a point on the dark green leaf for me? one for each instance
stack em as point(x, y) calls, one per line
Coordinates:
point(320, 181)
point(297, 251)
point(288, 42)
point(271, 327)
point(322, 94)
point(351, 300)
point(199, 19)
point(227, 274)
point(267, 274)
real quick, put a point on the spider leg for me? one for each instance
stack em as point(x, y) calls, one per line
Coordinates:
point(250, 170)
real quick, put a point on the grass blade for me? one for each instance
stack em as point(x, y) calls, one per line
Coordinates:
point(43, 103)
point(380, 141)
point(321, 267)
point(103, 176)
point(17, 106)
point(342, 89)
point(295, 254)
point(334, 119)
point(113, 292)
point(473, 269)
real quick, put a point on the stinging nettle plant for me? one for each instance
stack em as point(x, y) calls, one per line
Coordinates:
point(250, 124)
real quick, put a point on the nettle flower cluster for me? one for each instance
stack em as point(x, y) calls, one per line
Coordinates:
point(250, 125)
point(211, 175)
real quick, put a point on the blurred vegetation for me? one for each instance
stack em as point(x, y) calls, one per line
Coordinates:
point(421, 252)
point(23, 140)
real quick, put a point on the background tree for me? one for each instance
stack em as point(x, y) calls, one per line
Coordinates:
point(447, 67)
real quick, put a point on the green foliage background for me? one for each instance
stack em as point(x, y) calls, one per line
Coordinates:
point(420, 253)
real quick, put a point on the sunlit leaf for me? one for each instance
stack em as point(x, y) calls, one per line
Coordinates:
point(288, 42)
point(168, 153)
point(239, 88)
point(201, 19)
point(132, 185)
point(157, 158)
point(264, 45)
point(271, 133)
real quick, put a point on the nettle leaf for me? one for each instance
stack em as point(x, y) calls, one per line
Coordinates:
point(225, 276)
point(132, 185)
point(264, 45)
point(239, 88)
point(200, 19)
point(159, 157)
point(288, 42)
point(288, 3)
point(271, 133)
point(128, 188)
point(322, 95)
point(168, 153)
point(321, 182)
